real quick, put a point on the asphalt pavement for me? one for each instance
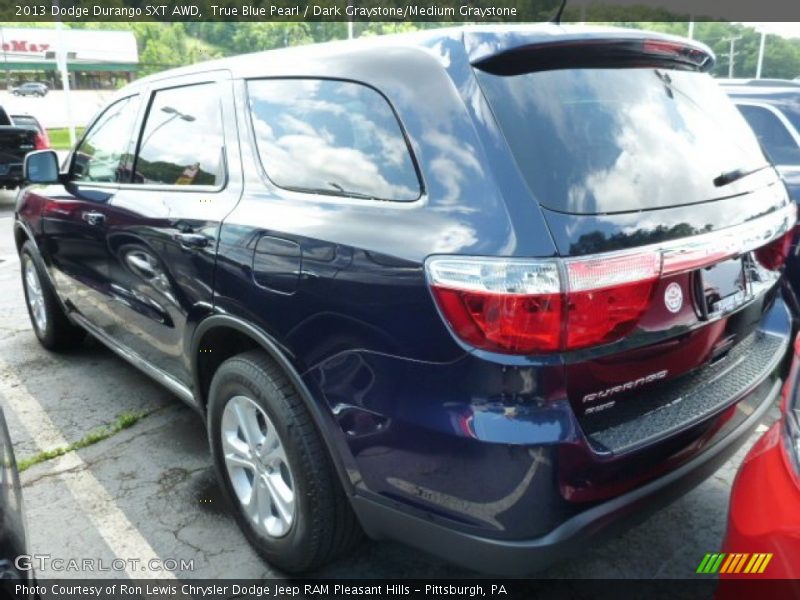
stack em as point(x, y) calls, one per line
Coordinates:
point(148, 491)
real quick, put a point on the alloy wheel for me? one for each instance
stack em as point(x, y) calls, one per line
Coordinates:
point(35, 297)
point(257, 467)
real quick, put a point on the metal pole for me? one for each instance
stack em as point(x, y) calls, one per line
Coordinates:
point(61, 59)
point(61, 64)
point(5, 58)
point(761, 54)
point(349, 22)
point(732, 55)
point(690, 35)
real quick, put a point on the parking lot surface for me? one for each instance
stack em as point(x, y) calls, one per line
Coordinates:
point(148, 491)
point(51, 110)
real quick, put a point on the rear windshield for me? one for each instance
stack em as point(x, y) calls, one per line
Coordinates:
point(593, 141)
point(26, 122)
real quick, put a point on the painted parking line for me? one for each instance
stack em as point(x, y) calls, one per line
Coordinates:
point(114, 527)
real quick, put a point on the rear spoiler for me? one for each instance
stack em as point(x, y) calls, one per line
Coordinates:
point(597, 53)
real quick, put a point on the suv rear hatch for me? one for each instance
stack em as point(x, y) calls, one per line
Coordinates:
point(670, 224)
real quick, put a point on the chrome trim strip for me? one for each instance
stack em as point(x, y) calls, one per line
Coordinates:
point(706, 249)
point(710, 248)
point(169, 382)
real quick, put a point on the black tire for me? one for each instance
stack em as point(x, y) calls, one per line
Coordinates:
point(58, 333)
point(324, 525)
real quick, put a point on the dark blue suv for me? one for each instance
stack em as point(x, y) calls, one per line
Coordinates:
point(491, 292)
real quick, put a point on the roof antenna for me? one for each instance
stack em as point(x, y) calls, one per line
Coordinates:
point(557, 17)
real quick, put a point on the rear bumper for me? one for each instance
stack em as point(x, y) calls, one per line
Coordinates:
point(764, 515)
point(521, 557)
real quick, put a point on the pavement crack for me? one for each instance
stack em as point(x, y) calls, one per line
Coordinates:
point(123, 421)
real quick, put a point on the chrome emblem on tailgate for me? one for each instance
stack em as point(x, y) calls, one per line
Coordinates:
point(624, 387)
point(673, 297)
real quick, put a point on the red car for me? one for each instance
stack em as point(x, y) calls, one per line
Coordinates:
point(27, 121)
point(764, 515)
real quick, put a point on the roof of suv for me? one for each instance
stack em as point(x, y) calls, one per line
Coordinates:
point(479, 42)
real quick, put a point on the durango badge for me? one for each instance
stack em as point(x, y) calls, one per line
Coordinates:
point(673, 297)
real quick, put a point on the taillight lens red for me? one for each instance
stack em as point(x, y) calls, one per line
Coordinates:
point(774, 255)
point(503, 323)
point(607, 296)
point(41, 142)
point(519, 307)
point(602, 316)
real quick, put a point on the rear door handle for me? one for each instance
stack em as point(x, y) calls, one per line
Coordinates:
point(191, 240)
point(94, 218)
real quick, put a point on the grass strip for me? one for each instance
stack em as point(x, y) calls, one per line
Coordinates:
point(123, 421)
point(59, 137)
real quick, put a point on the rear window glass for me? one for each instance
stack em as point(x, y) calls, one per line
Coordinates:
point(614, 140)
point(792, 112)
point(26, 122)
point(331, 137)
point(773, 135)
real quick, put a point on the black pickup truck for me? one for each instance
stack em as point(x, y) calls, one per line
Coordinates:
point(15, 143)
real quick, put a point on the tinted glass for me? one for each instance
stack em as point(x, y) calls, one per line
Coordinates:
point(182, 142)
point(100, 155)
point(792, 112)
point(615, 140)
point(773, 135)
point(331, 137)
point(26, 122)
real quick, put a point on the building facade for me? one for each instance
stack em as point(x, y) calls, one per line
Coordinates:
point(95, 59)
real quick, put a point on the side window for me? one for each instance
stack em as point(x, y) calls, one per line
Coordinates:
point(331, 137)
point(182, 141)
point(101, 154)
point(773, 135)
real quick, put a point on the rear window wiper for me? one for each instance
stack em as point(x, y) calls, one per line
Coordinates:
point(737, 174)
point(351, 193)
point(337, 190)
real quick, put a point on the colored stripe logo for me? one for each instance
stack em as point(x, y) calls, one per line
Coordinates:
point(735, 562)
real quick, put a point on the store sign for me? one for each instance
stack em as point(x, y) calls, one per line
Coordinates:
point(31, 44)
point(24, 46)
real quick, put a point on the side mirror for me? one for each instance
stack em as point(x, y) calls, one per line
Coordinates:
point(41, 167)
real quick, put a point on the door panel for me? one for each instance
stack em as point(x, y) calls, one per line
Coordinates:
point(75, 217)
point(161, 232)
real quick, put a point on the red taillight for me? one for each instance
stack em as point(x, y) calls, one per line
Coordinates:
point(511, 323)
point(607, 296)
point(503, 305)
point(532, 306)
point(519, 307)
point(606, 315)
point(774, 255)
point(41, 142)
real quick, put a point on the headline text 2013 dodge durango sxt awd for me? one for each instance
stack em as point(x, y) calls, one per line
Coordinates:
point(490, 292)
